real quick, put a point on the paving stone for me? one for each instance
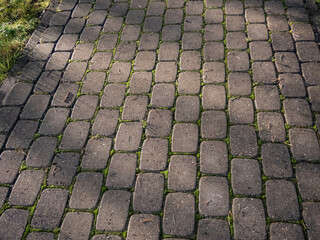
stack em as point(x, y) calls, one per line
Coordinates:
point(243, 141)
point(41, 152)
point(168, 51)
point(213, 97)
point(166, 72)
point(311, 211)
point(118, 9)
point(74, 72)
point(253, 3)
point(139, 229)
point(235, 23)
point(22, 134)
point(257, 32)
point(148, 193)
point(267, 98)
point(292, 85)
point(58, 61)
point(18, 94)
point(171, 33)
point(113, 24)
point(113, 95)
point(42, 51)
point(213, 16)
point(67, 5)
point(308, 175)
point(60, 18)
point(135, 17)
point(236, 40)
point(48, 82)
point(213, 228)
point(285, 230)
point(97, 17)
point(156, 8)
point(154, 154)
point(51, 34)
point(173, 16)
point(75, 135)
point(100, 61)
point(113, 210)
point(282, 41)
point(138, 4)
point(187, 108)
point(254, 15)
point(294, 3)
point(213, 157)
point(282, 200)
point(212, 51)
point(31, 71)
point(50, 208)
point(145, 60)
point(297, 15)
point(85, 107)
point(193, 23)
point(83, 51)
point(310, 73)
point(239, 84)
point(163, 95)
point(35, 107)
point(152, 24)
point(191, 41)
point(175, 4)
point(76, 225)
point(8, 117)
point(214, 3)
point(179, 213)
point(3, 194)
point(128, 136)
point(213, 72)
point(93, 82)
point(302, 32)
point(264, 72)
point(190, 60)
point(234, 7)
point(86, 190)
point(194, 8)
point(149, 41)
point(277, 23)
point(81, 10)
point(64, 168)
point(313, 93)
point(297, 112)
point(54, 121)
point(159, 123)
point(213, 32)
point(40, 236)
point(101, 4)
point(105, 237)
point(74, 26)
point(287, 62)
point(182, 173)
point(276, 161)
point(273, 8)
point(213, 124)
point(130, 33)
point(271, 127)
point(308, 51)
point(135, 107)
point(260, 51)
point(66, 42)
point(251, 221)
point(9, 165)
point(107, 41)
point(241, 111)
point(140, 82)
point(238, 61)
point(213, 196)
point(90, 33)
point(13, 223)
point(189, 83)
point(184, 138)
point(2, 140)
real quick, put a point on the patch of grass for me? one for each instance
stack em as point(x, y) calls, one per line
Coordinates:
point(18, 18)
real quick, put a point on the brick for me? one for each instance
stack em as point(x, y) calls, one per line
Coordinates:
point(86, 190)
point(50, 208)
point(257, 32)
point(189, 83)
point(311, 211)
point(235, 23)
point(271, 127)
point(213, 72)
point(128, 136)
point(58, 61)
point(193, 23)
point(260, 51)
point(184, 138)
point(113, 95)
point(287, 62)
point(156, 8)
point(277, 23)
point(234, 7)
point(135, 107)
point(85, 107)
point(190, 60)
point(213, 16)
point(166, 72)
point(191, 41)
point(35, 107)
point(273, 8)
point(239, 84)
point(187, 108)
point(213, 32)
point(175, 4)
point(253, 3)
point(168, 51)
point(213, 228)
point(107, 41)
point(213, 97)
point(152, 24)
point(75, 135)
point(97, 17)
point(74, 72)
point(81, 10)
point(22, 134)
point(310, 73)
point(130, 33)
point(214, 3)
point(159, 123)
point(171, 33)
point(42, 51)
point(8, 117)
point(292, 85)
point(145, 60)
point(267, 98)
point(154, 154)
point(264, 72)
point(282, 41)
point(118, 9)
point(213, 196)
point(65, 95)
point(13, 223)
point(63, 169)
point(100, 61)
point(31, 71)
point(54, 121)
point(251, 221)
point(74, 26)
point(66, 42)
point(96, 153)
point(163, 95)
point(67, 5)
point(48, 82)
point(135, 16)
point(302, 32)
point(173, 16)
point(255, 15)
point(3, 194)
point(194, 8)
point(41, 152)
point(113, 24)
point(90, 33)
point(82, 51)
point(213, 124)
point(93, 82)
point(138, 4)
point(297, 112)
point(282, 201)
point(140, 82)
point(139, 229)
point(105, 237)
point(18, 95)
point(308, 175)
point(313, 93)
point(243, 141)
point(113, 210)
point(294, 3)
point(2, 140)
point(213, 51)
point(40, 235)
point(26, 188)
point(308, 51)
point(238, 61)
point(60, 18)
point(9, 165)
point(51, 34)
point(179, 214)
point(297, 15)
point(241, 111)
point(285, 230)
point(149, 41)
point(236, 40)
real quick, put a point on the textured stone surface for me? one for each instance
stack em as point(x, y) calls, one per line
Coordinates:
point(13, 223)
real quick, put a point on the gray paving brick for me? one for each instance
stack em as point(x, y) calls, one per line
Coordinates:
point(18, 95)
point(107, 41)
point(166, 72)
point(163, 95)
point(285, 230)
point(252, 3)
point(81, 10)
point(234, 8)
point(213, 124)
point(302, 32)
point(243, 141)
point(128, 136)
point(235, 23)
point(54, 121)
point(58, 61)
point(277, 23)
point(213, 196)
point(239, 84)
point(75, 135)
point(9, 165)
point(156, 8)
point(13, 223)
point(238, 61)
point(254, 15)
point(212, 51)
point(100, 61)
point(213, 97)
point(313, 93)
point(168, 51)
point(105, 237)
point(213, 16)
point(297, 112)
point(191, 41)
point(42, 51)
point(3, 194)
point(194, 8)
point(152, 24)
point(308, 175)
point(179, 214)
point(297, 15)
point(40, 236)
point(66, 42)
point(113, 24)
point(187, 108)
point(41, 152)
point(213, 72)
point(63, 169)
point(287, 62)
point(189, 83)
point(251, 221)
point(236, 40)
point(2, 140)
point(22, 134)
point(125, 52)
point(184, 138)
point(175, 4)
point(48, 82)
point(60, 18)
point(310, 214)
point(82, 51)
point(35, 107)
point(257, 32)
point(292, 85)
point(294, 3)
point(260, 50)
point(97, 17)
point(154, 154)
point(90, 33)
point(67, 5)
point(213, 32)
point(51, 34)
point(113, 210)
point(31, 71)
point(50, 208)
point(74, 72)
point(135, 107)
point(173, 16)
point(93, 82)
point(193, 23)
point(130, 33)
point(271, 127)
point(145, 60)
point(273, 7)
point(8, 117)
point(118, 9)
point(159, 123)
point(213, 229)
point(138, 4)
point(148, 193)
point(171, 33)
point(85, 107)
point(264, 72)
point(74, 25)
point(143, 226)
point(140, 82)
point(113, 95)
point(241, 111)
point(135, 16)
point(267, 98)
point(308, 51)
point(214, 3)
point(282, 41)
point(310, 73)
point(149, 41)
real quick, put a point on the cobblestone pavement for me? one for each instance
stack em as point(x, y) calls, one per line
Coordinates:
point(164, 120)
